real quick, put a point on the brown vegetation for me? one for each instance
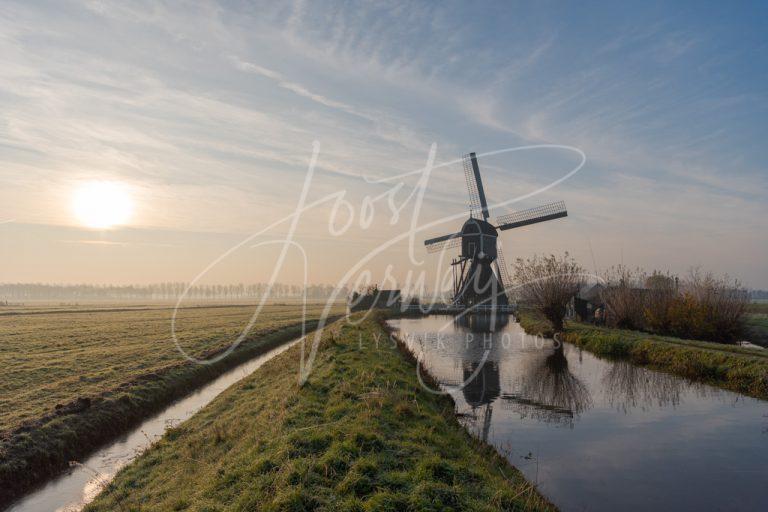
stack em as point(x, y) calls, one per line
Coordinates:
point(703, 306)
point(623, 297)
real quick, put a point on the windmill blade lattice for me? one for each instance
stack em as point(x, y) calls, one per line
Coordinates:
point(506, 279)
point(448, 243)
point(475, 206)
point(532, 216)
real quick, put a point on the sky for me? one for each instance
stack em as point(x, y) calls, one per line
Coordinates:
point(207, 115)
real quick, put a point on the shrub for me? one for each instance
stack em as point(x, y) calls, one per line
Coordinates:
point(703, 307)
point(624, 297)
point(708, 308)
point(722, 303)
point(661, 291)
point(687, 318)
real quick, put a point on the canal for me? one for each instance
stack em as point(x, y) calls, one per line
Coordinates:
point(595, 434)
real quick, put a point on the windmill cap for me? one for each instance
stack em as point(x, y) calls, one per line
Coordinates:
point(475, 226)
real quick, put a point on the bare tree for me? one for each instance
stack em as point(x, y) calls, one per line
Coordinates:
point(548, 283)
point(624, 297)
point(661, 293)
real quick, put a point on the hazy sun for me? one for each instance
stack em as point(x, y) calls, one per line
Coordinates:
point(102, 204)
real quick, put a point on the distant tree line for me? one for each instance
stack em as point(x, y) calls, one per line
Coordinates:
point(161, 291)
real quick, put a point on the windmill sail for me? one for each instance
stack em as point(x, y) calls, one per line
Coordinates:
point(479, 185)
point(443, 242)
point(475, 204)
point(532, 216)
point(501, 264)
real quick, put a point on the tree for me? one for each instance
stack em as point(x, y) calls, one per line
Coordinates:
point(661, 292)
point(624, 296)
point(548, 283)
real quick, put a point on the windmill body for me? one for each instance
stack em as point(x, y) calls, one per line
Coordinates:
point(477, 283)
point(480, 277)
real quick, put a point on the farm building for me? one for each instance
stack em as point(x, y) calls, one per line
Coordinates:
point(375, 299)
point(587, 301)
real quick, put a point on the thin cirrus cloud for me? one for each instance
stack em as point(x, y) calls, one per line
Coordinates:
point(210, 112)
point(295, 87)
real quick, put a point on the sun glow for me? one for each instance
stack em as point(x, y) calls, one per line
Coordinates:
point(102, 204)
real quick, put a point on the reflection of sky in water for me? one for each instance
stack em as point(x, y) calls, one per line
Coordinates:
point(595, 434)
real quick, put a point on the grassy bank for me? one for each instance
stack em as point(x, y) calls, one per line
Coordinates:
point(361, 434)
point(740, 369)
point(73, 383)
point(535, 324)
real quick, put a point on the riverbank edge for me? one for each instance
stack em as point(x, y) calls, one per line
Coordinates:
point(729, 367)
point(33, 454)
point(482, 447)
point(298, 429)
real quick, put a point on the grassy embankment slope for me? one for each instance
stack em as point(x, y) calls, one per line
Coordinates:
point(740, 369)
point(75, 378)
point(361, 434)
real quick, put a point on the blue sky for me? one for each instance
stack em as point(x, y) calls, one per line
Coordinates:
point(207, 112)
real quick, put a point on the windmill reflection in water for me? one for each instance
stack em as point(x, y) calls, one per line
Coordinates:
point(546, 390)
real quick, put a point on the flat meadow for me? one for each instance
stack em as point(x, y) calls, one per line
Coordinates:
point(757, 323)
point(53, 356)
point(117, 363)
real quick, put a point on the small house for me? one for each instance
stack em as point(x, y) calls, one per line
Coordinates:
point(375, 299)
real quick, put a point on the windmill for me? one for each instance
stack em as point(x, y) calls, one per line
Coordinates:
point(475, 280)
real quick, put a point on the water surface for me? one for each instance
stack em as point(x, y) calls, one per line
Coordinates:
point(595, 434)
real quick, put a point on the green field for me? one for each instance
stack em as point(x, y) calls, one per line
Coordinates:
point(757, 328)
point(361, 434)
point(51, 358)
point(758, 306)
point(73, 377)
point(757, 323)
